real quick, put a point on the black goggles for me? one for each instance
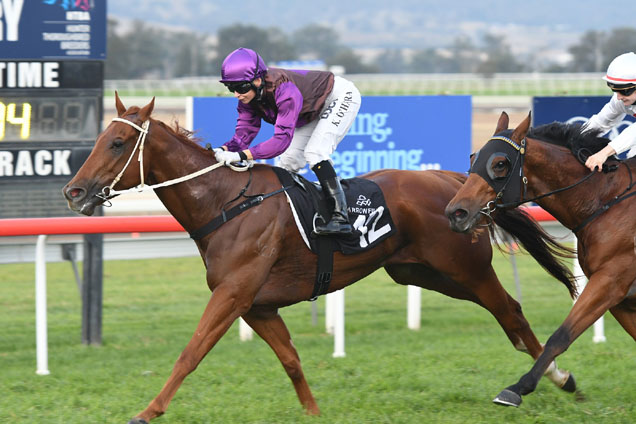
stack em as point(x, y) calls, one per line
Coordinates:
point(624, 89)
point(239, 87)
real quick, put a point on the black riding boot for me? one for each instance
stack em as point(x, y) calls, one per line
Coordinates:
point(339, 222)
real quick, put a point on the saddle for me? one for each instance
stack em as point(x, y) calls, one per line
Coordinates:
point(368, 213)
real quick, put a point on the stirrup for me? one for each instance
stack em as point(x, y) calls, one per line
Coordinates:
point(333, 228)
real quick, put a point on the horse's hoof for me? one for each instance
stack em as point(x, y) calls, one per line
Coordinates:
point(137, 421)
point(570, 385)
point(579, 396)
point(507, 398)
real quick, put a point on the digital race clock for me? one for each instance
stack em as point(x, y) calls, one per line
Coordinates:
point(35, 117)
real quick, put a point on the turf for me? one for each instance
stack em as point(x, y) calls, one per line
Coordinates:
point(447, 372)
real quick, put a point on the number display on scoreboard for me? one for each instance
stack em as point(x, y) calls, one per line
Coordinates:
point(41, 118)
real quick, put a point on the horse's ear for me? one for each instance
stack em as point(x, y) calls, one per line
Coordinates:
point(144, 112)
point(522, 129)
point(503, 122)
point(119, 106)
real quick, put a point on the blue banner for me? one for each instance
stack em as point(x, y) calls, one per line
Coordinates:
point(405, 132)
point(572, 110)
point(53, 29)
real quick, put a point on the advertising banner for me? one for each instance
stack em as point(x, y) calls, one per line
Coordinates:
point(572, 110)
point(405, 132)
point(52, 29)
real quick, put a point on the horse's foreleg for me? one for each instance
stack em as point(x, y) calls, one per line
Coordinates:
point(593, 302)
point(508, 313)
point(271, 328)
point(220, 313)
point(483, 288)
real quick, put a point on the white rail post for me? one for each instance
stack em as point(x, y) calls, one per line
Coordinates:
point(581, 282)
point(414, 307)
point(41, 338)
point(599, 331)
point(245, 331)
point(339, 324)
point(329, 312)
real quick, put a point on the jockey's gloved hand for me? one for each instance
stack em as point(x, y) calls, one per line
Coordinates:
point(218, 149)
point(227, 157)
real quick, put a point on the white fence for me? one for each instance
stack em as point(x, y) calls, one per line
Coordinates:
point(334, 302)
point(522, 84)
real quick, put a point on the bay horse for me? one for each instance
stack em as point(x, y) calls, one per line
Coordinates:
point(545, 165)
point(257, 262)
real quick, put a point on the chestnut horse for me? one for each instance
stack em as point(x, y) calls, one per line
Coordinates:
point(545, 165)
point(257, 262)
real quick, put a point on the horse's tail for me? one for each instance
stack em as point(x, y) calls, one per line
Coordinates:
point(544, 248)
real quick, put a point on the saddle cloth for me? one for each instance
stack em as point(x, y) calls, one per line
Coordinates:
point(368, 213)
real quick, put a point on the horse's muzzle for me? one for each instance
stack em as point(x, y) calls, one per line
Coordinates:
point(80, 201)
point(459, 219)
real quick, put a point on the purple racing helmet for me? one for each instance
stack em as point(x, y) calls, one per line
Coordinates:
point(242, 65)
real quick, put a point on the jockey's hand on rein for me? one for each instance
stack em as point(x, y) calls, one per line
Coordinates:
point(226, 157)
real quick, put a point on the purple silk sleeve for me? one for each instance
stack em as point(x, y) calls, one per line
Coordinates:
point(247, 126)
point(289, 102)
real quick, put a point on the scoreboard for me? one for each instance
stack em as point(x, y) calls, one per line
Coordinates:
point(51, 99)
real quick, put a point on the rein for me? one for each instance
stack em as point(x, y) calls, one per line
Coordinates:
point(109, 192)
point(541, 196)
point(492, 205)
point(521, 151)
point(251, 200)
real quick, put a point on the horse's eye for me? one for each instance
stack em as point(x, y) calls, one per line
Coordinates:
point(500, 165)
point(117, 143)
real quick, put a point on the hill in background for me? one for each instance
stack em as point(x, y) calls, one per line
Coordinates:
point(541, 25)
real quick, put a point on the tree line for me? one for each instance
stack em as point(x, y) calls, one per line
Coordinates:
point(146, 51)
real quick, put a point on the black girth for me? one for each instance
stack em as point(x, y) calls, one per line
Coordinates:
point(325, 248)
point(250, 202)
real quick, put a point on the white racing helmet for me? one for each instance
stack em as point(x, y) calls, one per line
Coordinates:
point(621, 72)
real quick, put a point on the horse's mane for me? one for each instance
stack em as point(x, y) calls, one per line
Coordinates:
point(570, 136)
point(542, 247)
point(179, 132)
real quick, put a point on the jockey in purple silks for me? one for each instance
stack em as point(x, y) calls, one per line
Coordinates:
point(311, 112)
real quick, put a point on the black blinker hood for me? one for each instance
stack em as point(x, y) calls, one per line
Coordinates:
point(508, 189)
